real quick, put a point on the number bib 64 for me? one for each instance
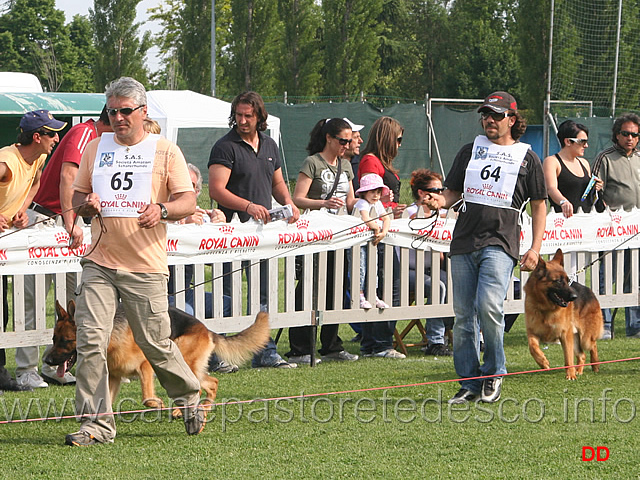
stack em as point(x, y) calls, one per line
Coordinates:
point(122, 175)
point(492, 173)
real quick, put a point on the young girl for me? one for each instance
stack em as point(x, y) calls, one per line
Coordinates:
point(371, 190)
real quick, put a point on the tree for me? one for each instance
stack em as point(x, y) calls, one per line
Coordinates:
point(351, 45)
point(36, 32)
point(481, 55)
point(301, 54)
point(252, 55)
point(80, 79)
point(122, 52)
point(532, 48)
point(185, 43)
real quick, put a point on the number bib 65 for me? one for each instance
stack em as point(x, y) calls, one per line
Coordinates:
point(492, 173)
point(122, 175)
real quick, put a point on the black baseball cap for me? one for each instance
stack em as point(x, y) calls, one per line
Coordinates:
point(499, 102)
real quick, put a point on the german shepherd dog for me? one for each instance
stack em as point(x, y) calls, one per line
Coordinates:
point(555, 310)
point(125, 359)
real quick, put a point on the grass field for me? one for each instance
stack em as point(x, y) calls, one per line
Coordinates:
point(537, 430)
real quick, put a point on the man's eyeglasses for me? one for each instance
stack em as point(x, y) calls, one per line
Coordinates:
point(580, 141)
point(434, 190)
point(47, 133)
point(126, 111)
point(497, 117)
point(343, 141)
point(624, 133)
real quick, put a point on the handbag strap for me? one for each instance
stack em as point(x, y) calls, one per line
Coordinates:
point(337, 180)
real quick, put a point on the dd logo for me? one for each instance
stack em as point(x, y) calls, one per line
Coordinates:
point(599, 454)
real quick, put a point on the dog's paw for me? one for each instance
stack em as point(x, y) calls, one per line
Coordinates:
point(176, 413)
point(153, 403)
point(571, 375)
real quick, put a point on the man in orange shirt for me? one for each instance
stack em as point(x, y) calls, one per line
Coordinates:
point(128, 177)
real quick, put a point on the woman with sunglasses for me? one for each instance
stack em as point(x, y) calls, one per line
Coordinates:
point(424, 182)
point(324, 181)
point(567, 174)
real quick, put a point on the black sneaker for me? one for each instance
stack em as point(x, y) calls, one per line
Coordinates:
point(195, 424)
point(463, 396)
point(438, 350)
point(491, 389)
point(80, 439)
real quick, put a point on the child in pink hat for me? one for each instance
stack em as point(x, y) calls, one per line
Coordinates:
point(371, 190)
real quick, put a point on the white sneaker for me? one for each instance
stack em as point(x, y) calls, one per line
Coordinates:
point(364, 303)
point(31, 379)
point(50, 374)
point(304, 359)
point(381, 304)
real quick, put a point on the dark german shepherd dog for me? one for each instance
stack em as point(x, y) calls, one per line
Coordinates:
point(555, 310)
point(125, 359)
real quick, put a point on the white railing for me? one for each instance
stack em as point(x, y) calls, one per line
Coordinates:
point(281, 284)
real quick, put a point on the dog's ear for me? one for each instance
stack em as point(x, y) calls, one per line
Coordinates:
point(71, 308)
point(541, 266)
point(60, 312)
point(559, 258)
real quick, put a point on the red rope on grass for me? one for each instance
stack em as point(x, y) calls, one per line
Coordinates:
point(311, 395)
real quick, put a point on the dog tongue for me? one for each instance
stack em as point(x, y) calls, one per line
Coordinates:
point(61, 370)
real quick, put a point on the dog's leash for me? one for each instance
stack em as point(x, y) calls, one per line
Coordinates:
point(103, 228)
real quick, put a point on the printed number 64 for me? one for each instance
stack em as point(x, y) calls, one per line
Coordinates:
point(486, 172)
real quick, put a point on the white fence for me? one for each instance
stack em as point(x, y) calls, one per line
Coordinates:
point(207, 248)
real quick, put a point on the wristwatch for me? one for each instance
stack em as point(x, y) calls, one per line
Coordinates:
point(562, 202)
point(163, 211)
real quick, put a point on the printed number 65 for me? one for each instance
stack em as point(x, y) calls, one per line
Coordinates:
point(117, 182)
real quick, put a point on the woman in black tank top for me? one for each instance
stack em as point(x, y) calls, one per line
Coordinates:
point(567, 173)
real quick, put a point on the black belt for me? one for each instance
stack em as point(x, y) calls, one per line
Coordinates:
point(36, 207)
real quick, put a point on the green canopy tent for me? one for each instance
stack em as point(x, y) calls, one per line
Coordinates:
point(63, 106)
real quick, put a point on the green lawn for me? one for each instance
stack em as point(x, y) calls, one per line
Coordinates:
point(537, 430)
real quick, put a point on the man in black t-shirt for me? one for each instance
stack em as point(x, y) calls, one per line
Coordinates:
point(495, 176)
point(244, 173)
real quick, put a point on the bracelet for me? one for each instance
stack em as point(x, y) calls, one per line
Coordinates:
point(562, 202)
point(532, 250)
point(248, 205)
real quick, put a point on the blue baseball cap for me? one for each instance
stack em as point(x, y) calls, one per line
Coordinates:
point(40, 119)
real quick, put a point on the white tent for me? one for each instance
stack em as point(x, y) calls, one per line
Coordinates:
point(195, 122)
point(183, 109)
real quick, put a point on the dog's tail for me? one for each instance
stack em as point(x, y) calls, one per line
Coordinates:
point(240, 347)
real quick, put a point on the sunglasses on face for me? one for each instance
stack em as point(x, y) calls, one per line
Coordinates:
point(624, 133)
point(47, 133)
point(434, 190)
point(343, 141)
point(497, 117)
point(579, 141)
point(126, 111)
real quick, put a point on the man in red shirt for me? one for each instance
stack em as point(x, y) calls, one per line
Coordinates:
point(54, 198)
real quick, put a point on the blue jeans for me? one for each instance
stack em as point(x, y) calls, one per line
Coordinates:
point(480, 283)
point(631, 314)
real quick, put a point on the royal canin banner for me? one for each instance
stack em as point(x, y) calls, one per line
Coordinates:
point(44, 249)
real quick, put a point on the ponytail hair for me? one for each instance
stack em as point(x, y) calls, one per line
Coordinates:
point(329, 126)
